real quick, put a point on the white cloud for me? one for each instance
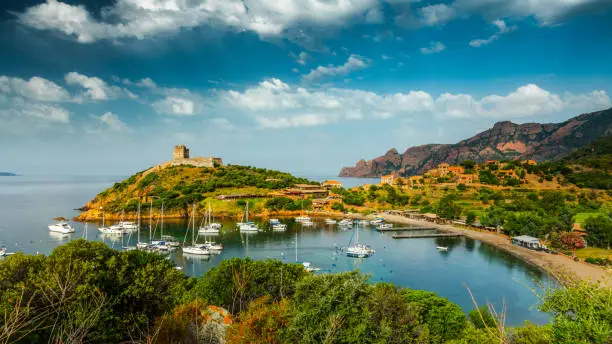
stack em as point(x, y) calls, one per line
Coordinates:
point(96, 88)
point(301, 58)
point(46, 113)
point(175, 106)
point(36, 88)
point(385, 57)
point(148, 18)
point(275, 104)
point(353, 63)
point(113, 122)
point(434, 47)
point(502, 29)
point(436, 14)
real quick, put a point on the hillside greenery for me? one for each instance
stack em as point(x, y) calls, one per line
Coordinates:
point(178, 187)
point(86, 292)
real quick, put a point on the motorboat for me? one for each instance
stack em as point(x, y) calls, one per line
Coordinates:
point(61, 227)
point(377, 221)
point(385, 226)
point(114, 229)
point(302, 219)
point(248, 227)
point(170, 241)
point(142, 245)
point(279, 227)
point(361, 223)
point(346, 222)
point(209, 229)
point(330, 221)
point(309, 267)
point(307, 223)
point(442, 248)
point(3, 252)
point(274, 221)
point(128, 225)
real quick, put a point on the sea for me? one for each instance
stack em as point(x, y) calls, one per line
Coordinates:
point(28, 204)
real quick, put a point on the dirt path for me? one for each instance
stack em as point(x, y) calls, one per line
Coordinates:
point(554, 264)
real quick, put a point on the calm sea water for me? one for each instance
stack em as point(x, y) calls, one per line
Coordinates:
point(28, 205)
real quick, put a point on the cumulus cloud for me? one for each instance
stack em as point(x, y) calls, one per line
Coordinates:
point(354, 62)
point(433, 48)
point(35, 88)
point(175, 106)
point(275, 104)
point(502, 29)
point(374, 16)
point(436, 14)
point(96, 88)
point(25, 112)
point(145, 18)
point(47, 113)
point(112, 122)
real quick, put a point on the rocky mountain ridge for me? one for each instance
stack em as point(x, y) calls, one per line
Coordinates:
point(505, 140)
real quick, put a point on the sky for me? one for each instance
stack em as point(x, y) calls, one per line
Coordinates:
point(304, 86)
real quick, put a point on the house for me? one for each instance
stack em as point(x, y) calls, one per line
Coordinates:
point(456, 170)
point(305, 190)
point(415, 181)
point(527, 241)
point(388, 179)
point(529, 162)
point(330, 184)
point(326, 202)
point(507, 174)
point(466, 178)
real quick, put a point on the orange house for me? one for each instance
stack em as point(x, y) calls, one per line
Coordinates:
point(466, 178)
point(456, 170)
point(330, 184)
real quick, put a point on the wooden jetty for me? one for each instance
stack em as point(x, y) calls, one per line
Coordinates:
point(399, 229)
point(430, 235)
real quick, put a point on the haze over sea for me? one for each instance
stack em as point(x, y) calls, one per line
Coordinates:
point(31, 202)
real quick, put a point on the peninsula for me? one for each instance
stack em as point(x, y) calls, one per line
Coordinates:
point(7, 174)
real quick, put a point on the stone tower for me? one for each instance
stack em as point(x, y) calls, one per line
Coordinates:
point(181, 152)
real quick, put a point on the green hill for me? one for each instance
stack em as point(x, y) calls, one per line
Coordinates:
point(179, 187)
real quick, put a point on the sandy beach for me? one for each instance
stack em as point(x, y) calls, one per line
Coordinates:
point(551, 263)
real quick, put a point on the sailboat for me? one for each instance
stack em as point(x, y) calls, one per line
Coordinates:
point(137, 227)
point(112, 230)
point(167, 242)
point(209, 227)
point(358, 250)
point(194, 249)
point(247, 226)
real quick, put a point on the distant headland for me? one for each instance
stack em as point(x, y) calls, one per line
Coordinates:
point(7, 174)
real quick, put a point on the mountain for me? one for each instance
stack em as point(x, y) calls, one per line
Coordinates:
point(7, 174)
point(506, 140)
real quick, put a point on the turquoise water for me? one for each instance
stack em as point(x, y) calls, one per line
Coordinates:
point(28, 204)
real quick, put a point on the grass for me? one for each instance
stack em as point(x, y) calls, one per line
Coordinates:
point(593, 252)
point(581, 217)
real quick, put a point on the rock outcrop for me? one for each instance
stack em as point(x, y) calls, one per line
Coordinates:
point(506, 140)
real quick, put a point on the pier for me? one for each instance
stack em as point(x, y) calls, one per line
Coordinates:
point(399, 229)
point(431, 235)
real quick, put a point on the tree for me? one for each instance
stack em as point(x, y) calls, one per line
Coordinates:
point(482, 318)
point(448, 208)
point(444, 319)
point(527, 223)
point(567, 240)
point(470, 217)
point(599, 231)
point(468, 164)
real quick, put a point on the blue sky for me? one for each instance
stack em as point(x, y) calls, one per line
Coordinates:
point(306, 86)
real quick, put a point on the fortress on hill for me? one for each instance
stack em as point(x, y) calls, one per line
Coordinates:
point(181, 157)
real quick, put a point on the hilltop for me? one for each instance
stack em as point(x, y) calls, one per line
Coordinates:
point(504, 141)
point(179, 187)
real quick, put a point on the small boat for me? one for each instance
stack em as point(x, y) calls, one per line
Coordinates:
point(142, 245)
point(309, 267)
point(209, 229)
point(361, 223)
point(346, 222)
point(302, 218)
point(208, 226)
point(247, 226)
point(274, 221)
point(308, 223)
point(114, 229)
point(385, 226)
point(3, 252)
point(330, 221)
point(195, 248)
point(377, 221)
point(279, 227)
point(170, 241)
point(442, 248)
point(357, 250)
point(61, 227)
point(212, 246)
point(128, 225)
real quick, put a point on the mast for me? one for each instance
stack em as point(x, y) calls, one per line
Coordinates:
point(193, 225)
point(162, 220)
point(138, 228)
point(151, 222)
point(247, 211)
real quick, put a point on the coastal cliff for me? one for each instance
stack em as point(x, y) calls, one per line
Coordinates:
point(505, 140)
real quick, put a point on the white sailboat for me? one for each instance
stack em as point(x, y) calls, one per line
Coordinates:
point(167, 242)
point(209, 227)
point(195, 249)
point(247, 226)
point(358, 250)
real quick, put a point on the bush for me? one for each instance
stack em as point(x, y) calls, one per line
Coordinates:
point(602, 261)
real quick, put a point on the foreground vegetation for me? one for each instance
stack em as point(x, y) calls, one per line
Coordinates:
point(86, 292)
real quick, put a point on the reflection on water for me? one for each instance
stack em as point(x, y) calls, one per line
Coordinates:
point(28, 207)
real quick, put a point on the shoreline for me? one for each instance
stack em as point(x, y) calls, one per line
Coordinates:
point(549, 263)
